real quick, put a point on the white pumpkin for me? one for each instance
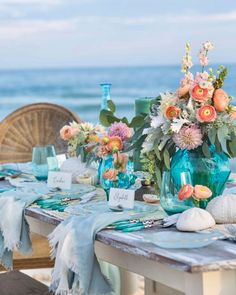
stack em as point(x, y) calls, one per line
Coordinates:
point(195, 219)
point(223, 208)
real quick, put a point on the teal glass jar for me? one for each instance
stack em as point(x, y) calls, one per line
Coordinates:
point(212, 172)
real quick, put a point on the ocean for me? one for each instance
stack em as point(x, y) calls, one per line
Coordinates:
point(79, 89)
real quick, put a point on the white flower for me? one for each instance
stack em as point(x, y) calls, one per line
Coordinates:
point(205, 85)
point(157, 121)
point(208, 45)
point(146, 147)
point(165, 127)
point(177, 124)
point(147, 131)
point(86, 126)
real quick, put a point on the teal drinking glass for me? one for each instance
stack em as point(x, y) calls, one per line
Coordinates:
point(169, 193)
point(39, 160)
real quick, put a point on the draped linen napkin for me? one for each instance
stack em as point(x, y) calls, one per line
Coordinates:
point(14, 229)
point(77, 270)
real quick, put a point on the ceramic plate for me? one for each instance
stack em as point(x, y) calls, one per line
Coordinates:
point(175, 240)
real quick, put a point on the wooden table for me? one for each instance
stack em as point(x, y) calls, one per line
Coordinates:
point(205, 271)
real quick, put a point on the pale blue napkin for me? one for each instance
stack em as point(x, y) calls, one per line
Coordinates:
point(76, 268)
point(14, 229)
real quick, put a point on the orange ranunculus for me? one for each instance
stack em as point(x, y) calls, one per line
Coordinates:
point(186, 192)
point(120, 161)
point(221, 100)
point(172, 112)
point(115, 144)
point(199, 94)
point(67, 132)
point(201, 192)
point(110, 174)
point(206, 113)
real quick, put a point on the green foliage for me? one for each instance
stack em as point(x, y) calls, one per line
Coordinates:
point(107, 117)
point(219, 82)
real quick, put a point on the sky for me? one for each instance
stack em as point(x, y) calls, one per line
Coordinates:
point(100, 33)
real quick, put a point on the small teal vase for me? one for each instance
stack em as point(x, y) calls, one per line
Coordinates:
point(211, 172)
point(124, 179)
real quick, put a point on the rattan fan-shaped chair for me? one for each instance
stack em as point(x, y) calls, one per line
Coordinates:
point(31, 125)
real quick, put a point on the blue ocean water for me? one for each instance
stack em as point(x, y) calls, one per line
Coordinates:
point(79, 90)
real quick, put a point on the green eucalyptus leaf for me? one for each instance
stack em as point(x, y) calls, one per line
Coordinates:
point(158, 176)
point(157, 152)
point(112, 119)
point(206, 151)
point(111, 106)
point(125, 120)
point(137, 144)
point(137, 121)
point(166, 156)
point(222, 134)
point(103, 117)
point(212, 135)
point(232, 146)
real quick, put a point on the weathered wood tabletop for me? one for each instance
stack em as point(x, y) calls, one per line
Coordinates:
point(220, 255)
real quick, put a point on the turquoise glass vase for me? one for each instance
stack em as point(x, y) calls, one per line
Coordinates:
point(124, 179)
point(212, 172)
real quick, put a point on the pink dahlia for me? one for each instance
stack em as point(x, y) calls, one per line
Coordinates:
point(120, 129)
point(188, 138)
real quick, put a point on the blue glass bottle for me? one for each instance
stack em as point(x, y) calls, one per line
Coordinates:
point(105, 95)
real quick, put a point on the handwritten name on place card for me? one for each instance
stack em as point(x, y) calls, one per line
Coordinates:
point(62, 180)
point(123, 197)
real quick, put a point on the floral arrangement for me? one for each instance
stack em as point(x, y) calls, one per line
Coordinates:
point(82, 137)
point(97, 143)
point(197, 115)
point(196, 193)
point(113, 143)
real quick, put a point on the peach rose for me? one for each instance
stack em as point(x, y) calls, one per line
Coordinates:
point(221, 100)
point(172, 112)
point(206, 113)
point(115, 144)
point(199, 94)
point(183, 90)
point(67, 132)
point(201, 192)
point(120, 161)
point(110, 174)
point(185, 192)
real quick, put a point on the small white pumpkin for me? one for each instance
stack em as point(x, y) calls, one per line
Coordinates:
point(223, 208)
point(195, 219)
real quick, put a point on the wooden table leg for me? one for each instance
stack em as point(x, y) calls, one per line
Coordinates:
point(211, 283)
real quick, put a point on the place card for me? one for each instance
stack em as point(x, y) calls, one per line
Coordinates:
point(61, 180)
point(122, 197)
